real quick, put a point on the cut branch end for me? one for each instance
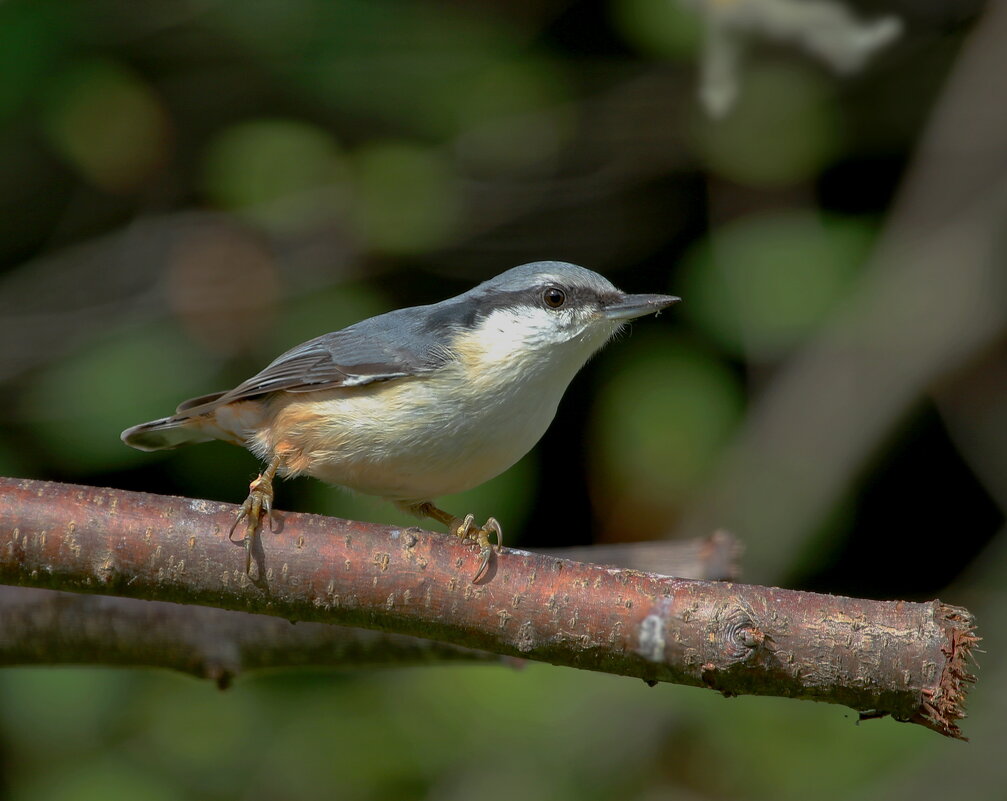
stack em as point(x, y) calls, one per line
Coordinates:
point(943, 706)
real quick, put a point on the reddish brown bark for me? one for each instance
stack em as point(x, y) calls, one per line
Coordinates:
point(879, 657)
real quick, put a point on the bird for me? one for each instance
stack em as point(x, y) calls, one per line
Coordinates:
point(418, 402)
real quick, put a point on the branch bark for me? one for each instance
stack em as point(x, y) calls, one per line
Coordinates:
point(48, 627)
point(908, 660)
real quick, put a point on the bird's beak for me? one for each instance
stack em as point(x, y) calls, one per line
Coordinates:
point(630, 306)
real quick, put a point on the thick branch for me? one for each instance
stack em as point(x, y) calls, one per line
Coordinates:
point(51, 627)
point(879, 657)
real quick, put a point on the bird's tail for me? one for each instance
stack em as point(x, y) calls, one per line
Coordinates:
point(166, 433)
point(187, 426)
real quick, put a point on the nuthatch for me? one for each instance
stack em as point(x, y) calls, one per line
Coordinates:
point(419, 402)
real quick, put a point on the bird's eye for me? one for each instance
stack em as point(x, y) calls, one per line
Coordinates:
point(554, 297)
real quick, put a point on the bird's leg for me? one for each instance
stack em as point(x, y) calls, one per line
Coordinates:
point(467, 529)
point(257, 505)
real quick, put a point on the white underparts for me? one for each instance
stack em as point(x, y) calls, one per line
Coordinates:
point(414, 439)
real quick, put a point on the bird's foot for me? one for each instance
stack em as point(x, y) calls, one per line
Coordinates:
point(257, 506)
point(467, 529)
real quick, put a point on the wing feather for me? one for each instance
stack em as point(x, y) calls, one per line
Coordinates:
point(381, 348)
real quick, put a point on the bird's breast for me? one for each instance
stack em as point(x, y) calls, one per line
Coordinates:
point(420, 437)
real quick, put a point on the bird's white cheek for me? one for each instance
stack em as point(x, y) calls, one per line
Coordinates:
point(537, 340)
point(508, 331)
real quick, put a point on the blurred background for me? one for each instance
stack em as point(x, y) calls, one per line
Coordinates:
point(190, 187)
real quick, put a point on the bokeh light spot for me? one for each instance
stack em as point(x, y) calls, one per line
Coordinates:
point(761, 284)
point(280, 172)
point(658, 424)
point(782, 131)
point(110, 125)
point(511, 117)
point(405, 197)
point(662, 28)
point(78, 406)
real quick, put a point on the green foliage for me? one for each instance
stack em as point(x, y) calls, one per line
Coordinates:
point(329, 309)
point(33, 38)
point(784, 129)
point(404, 63)
point(282, 173)
point(661, 28)
point(762, 284)
point(664, 412)
point(483, 731)
point(405, 199)
point(107, 123)
point(511, 116)
point(77, 408)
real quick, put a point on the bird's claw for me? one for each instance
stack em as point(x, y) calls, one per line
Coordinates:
point(468, 530)
point(258, 505)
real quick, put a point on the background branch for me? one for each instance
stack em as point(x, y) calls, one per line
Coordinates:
point(908, 660)
point(930, 301)
point(51, 627)
point(712, 558)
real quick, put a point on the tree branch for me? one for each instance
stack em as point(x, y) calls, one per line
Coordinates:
point(47, 627)
point(51, 627)
point(908, 660)
point(712, 558)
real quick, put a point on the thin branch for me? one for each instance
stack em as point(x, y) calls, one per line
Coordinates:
point(712, 558)
point(908, 660)
point(825, 29)
point(47, 627)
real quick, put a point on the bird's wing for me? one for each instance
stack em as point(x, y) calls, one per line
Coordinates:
point(378, 349)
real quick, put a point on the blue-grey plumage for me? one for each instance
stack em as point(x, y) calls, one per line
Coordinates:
point(419, 402)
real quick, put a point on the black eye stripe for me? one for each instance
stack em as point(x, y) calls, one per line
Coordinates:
point(488, 301)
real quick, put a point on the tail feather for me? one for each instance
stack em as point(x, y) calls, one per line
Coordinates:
point(166, 433)
point(202, 400)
